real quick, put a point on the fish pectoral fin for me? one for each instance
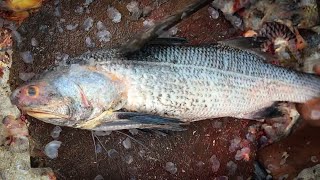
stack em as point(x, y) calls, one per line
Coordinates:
point(131, 120)
point(92, 123)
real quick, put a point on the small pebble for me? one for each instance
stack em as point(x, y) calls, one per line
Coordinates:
point(99, 177)
point(71, 27)
point(128, 159)
point(214, 14)
point(171, 167)
point(27, 57)
point(55, 133)
point(34, 42)
point(134, 131)
point(127, 143)
point(87, 24)
point(314, 159)
point(114, 14)
point(215, 163)
point(232, 167)
point(112, 153)
point(51, 149)
point(26, 76)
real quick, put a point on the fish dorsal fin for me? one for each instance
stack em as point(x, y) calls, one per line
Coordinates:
point(141, 39)
point(168, 41)
point(244, 42)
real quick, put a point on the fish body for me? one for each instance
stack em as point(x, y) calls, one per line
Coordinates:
point(187, 83)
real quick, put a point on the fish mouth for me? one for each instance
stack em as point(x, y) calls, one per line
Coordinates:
point(43, 114)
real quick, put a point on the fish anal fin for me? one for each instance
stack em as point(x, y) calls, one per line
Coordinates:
point(270, 111)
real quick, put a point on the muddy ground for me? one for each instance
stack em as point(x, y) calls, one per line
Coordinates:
point(190, 150)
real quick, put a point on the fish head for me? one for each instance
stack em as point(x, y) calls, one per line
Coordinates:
point(41, 100)
point(67, 96)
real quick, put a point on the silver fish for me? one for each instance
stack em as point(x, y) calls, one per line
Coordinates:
point(161, 87)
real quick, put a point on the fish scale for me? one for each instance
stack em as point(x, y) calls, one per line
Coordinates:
point(204, 82)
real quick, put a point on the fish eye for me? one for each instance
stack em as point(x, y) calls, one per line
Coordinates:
point(32, 91)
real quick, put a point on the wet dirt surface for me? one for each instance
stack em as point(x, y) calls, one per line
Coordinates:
point(190, 150)
point(302, 148)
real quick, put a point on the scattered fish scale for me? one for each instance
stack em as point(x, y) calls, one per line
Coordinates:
point(114, 14)
point(127, 143)
point(55, 133)
point(215, 163)
point(51, 149)
point(171, 167)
